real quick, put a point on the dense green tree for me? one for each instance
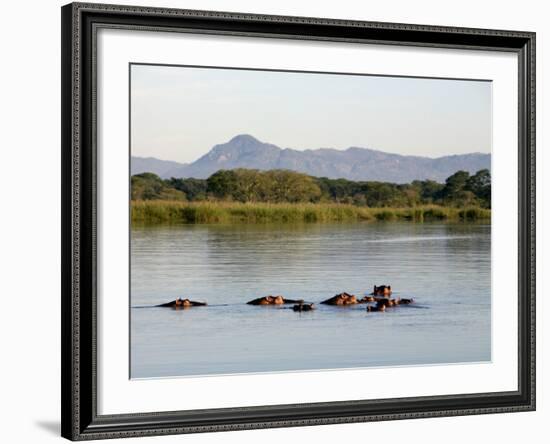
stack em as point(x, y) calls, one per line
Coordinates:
point(245, 185)
point(289, 186)
point(222, 183)
point(194, 189)
point(480, 185)
point(250, 185)
point(429, 190)
point(148, 186)
point(455, 191)
point(455, 183)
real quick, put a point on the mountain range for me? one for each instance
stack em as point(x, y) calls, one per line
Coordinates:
point(354, 163)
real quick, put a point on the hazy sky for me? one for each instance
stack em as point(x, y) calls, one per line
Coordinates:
point(180, 113)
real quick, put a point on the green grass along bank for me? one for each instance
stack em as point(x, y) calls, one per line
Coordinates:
point(167, 211)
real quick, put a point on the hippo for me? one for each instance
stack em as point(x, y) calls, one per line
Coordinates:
point(303, 307)
point(366, 299)
point(182, 303)
point(404, 301)
point(376, 308)
point(341, 299)
point(272, 300)
point(386, 302)
point(382, 290)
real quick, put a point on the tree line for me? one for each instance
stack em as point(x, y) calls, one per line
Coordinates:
point(276, 186)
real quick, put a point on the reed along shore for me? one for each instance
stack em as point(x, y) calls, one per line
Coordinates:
point(166, 211)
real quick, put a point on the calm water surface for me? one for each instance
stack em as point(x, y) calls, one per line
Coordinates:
point(444, 267)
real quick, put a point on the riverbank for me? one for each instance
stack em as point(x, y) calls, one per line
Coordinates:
point(161, 211)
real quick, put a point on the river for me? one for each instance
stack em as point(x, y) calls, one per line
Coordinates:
point(445, 267)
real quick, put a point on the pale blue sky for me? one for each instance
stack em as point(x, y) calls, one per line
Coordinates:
point(180, 113)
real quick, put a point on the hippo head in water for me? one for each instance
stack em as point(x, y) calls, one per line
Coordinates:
point(182, 303)
point(382, 290)
point(301, 306)
point(272, 300)
point(365, 299)
point(341, 299)
point(405, 301)
point(386, 302)
point(268, 300)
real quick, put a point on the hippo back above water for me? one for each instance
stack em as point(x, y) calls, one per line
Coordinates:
point(273, 300)
point(303, 307)
point(182, 303)
point(341, 299)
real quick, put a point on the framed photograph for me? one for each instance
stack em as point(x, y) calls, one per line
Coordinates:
point(274, 221)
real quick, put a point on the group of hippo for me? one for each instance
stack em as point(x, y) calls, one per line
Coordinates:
point(381, 297)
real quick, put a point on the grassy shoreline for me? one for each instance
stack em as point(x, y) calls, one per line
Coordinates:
point(163, 211)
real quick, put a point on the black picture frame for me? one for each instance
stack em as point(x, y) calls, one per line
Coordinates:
point(80, 420)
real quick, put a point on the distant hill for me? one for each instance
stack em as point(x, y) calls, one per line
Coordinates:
point(245, 151)
point(153, 165)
